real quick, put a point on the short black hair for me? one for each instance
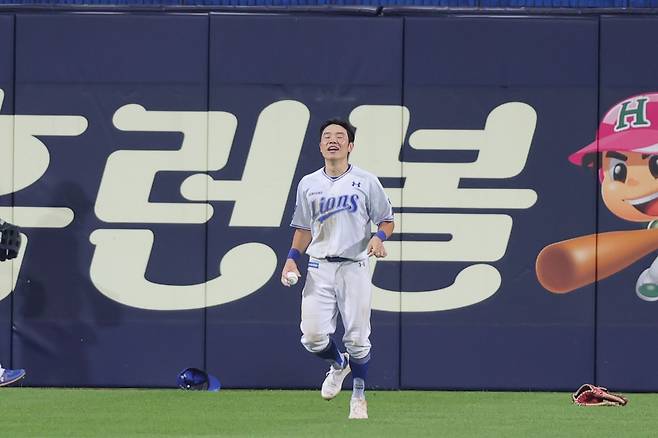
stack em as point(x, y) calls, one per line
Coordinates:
point(340, 122)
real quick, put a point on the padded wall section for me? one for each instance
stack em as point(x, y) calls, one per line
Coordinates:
point(627, 321)
point(497, 105)
point(117, 120)
point(282, 77)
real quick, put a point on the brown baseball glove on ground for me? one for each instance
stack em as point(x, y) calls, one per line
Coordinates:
point(590, 395)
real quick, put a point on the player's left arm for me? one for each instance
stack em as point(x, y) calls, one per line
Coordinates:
point(376, 243)
point(381, 213)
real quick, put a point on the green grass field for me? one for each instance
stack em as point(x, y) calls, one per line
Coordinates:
point(36, 412)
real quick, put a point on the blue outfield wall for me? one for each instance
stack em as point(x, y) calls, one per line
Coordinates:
point(155, 161)
point(91, 68)
point(306, 71)
point(511, 80)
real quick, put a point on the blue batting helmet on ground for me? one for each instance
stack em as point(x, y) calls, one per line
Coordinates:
point(196, 379)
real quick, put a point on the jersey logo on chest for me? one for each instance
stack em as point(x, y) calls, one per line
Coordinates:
point(326, 207)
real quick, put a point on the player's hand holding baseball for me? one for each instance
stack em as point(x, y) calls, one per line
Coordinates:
point(290, 273)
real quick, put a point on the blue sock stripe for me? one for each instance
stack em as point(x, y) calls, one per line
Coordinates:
point(360, 369)
point(331, 353)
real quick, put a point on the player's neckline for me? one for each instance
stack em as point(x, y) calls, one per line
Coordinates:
point(336, 178)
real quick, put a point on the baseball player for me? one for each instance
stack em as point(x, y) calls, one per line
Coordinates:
point(334, 209)
point(10, 242)
point(627, 148)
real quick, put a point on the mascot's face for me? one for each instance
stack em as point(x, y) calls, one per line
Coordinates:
point(630, 185)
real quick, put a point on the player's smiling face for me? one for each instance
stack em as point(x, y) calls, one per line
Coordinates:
point(630, 185)
point(334, 143)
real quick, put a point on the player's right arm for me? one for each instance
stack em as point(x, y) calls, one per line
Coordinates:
point(301, 221)
point(300, 241)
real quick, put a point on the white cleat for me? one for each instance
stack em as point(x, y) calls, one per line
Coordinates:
point(358, 409)
point(334, 381)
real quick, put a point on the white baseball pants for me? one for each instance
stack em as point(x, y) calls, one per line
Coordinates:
point(333, 287)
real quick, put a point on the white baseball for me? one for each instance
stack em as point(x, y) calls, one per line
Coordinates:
point(292, 278)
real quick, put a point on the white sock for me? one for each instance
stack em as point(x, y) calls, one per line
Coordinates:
point(358, 388)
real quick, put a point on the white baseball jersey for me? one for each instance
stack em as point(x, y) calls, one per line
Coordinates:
point(338, 212)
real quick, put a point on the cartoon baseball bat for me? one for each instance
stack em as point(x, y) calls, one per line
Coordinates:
point(570, 264)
